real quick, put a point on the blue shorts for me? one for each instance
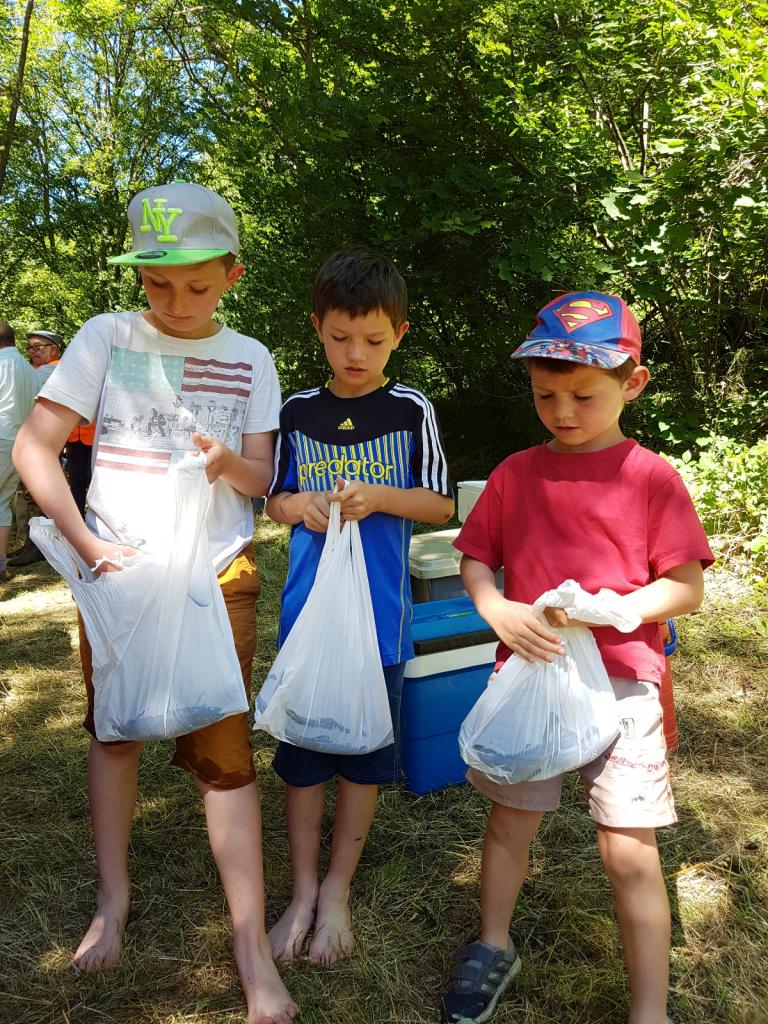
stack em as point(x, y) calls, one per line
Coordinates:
point(300, 767)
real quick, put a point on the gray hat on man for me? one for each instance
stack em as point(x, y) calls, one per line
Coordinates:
point(51, 336)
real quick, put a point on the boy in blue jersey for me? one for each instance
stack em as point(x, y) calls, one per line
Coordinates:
point(383, 439)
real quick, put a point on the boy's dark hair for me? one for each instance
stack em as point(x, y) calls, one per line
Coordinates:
point(360, 281)
point(229, 261)
point(620, 373)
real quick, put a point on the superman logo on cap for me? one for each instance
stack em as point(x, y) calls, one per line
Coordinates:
point(580, 312)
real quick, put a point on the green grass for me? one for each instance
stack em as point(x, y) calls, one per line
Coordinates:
point(415, 897)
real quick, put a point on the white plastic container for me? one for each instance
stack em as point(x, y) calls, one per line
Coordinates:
point(469, 492)
point(434, 567)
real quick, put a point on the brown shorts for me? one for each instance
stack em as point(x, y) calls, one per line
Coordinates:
point(627, 786)
point(220, 754)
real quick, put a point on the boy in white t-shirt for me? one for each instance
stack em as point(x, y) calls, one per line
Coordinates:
point(161, 383)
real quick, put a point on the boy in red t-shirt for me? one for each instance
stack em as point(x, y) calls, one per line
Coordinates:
point(592, 506)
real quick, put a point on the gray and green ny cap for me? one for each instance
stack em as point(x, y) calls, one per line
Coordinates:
point(179, 224)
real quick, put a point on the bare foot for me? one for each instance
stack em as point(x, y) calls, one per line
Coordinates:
point(267, 997)
point(288, 935)
point(102, 944)
point(333, 938)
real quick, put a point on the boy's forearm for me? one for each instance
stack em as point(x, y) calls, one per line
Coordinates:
point(248, 471)
point(288, 507)
point(514, 623)
point(678, 592)
point(417, 503)
point(480, 583)
point(41, 471)
point(251, 477)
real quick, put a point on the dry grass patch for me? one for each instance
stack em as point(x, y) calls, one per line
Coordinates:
point(416, 895)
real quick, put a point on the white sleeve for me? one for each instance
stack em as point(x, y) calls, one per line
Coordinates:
point(78, 380)
point(263, 412)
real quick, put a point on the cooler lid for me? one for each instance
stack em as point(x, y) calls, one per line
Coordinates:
point(433, 556)
point(448, 625)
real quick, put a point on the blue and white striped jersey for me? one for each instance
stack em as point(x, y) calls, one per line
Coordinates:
point(390, 437)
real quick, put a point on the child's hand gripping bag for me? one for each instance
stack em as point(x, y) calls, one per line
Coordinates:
point(326, 689)
point(164, 660)
point(539, 719)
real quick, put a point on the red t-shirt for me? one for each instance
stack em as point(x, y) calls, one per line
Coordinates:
point(617, 518)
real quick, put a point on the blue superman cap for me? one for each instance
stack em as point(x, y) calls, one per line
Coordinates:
point(584, 327)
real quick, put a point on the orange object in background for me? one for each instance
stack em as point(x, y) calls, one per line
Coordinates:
point(85, 434)
point(668, 711)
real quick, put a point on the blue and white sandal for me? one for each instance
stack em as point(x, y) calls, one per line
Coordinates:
point(480, 976)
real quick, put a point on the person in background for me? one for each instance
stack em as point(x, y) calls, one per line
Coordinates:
point(78, 453)
point(18, 387)
point(44, 350)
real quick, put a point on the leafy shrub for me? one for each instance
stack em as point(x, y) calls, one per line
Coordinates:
point(728, 481)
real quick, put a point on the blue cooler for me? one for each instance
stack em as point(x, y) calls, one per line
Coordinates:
point(455, 655)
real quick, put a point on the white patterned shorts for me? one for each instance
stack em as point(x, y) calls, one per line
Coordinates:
point(627, 786)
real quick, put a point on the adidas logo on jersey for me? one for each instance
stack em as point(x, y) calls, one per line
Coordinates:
point(346, 424)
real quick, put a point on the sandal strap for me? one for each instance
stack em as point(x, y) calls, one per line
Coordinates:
point(479, 967)
point(481, 973)
point(474, 972)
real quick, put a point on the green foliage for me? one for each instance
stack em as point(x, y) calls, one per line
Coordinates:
point(736, 408)
point(728, 481)
point(102, 115)
point(500, 152)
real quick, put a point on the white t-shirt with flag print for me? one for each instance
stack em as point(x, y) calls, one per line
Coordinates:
point(149, 393)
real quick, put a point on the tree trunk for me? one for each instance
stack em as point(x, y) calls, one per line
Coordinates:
point(5, 147)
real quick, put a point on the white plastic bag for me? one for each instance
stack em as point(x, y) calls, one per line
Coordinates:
point(539, 719)
point(326, 689)
point(164, 659)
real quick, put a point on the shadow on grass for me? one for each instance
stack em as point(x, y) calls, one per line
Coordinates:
point(415, 900)
point(178, 956)
point(38, 644)
point(415, 897)
point(47, 869)
point(29, 577)
point(565, 928)
point(729, 743)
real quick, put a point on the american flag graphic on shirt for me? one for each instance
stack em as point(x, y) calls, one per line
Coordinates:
point(132, 460)
point(154, 403)
point(214, 377)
